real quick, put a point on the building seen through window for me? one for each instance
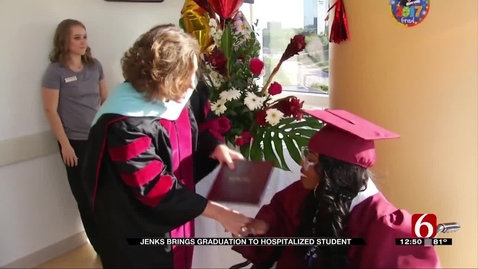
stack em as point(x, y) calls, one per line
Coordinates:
point(278, 22)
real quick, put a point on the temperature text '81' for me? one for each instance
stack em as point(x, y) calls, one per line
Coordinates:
point(423, 241)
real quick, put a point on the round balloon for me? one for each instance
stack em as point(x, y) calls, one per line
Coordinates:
point(195, 21)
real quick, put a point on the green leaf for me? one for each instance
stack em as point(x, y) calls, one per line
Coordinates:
point(226, 44)
point(181, 24)
point(308, 123)
point(304, 132)
point(269, 154)
point(301, 141)
point(256, 150)
point(293, 150)
point(280, 152)
point(313, 123)
point(299, 124)
point(295, 135)
point(286, 121)
point(245, 151)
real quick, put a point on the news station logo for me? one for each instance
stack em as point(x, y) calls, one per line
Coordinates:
point(424, 225)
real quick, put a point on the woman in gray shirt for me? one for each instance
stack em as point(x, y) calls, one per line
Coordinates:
point(73, 89)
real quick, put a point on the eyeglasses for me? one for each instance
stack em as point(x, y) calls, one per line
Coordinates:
point(304, 151)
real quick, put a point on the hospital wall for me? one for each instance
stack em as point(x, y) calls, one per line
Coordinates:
point(420, 82)
point(39, 218)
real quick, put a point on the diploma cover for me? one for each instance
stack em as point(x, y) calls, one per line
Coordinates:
point(245, 184)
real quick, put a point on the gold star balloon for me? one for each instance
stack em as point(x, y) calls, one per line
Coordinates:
point(195, 20)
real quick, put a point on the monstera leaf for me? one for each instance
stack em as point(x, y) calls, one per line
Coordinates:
point(288, 137)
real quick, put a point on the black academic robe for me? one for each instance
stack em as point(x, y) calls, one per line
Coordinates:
point(373, 218)
point(139, 176)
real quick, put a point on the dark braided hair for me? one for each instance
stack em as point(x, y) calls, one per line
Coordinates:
point(340, 182)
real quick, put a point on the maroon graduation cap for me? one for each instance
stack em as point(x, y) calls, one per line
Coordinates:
point(347, 137)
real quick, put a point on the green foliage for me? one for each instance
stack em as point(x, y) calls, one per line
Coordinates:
point(322, 87)
point(269, 142)
point(226, 45)
point(289, 135)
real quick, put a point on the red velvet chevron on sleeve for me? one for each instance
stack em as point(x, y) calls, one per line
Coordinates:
point(129, 151)
point(141, 169)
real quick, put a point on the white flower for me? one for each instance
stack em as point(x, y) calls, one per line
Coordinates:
point(215, 32)
point(230, 95)
point(213, 23)
point(219, 107)
point(274, 116)
point(253, 101)
point(214, 79)
point(217, 36)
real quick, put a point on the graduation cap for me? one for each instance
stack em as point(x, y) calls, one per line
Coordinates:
point(347, 137)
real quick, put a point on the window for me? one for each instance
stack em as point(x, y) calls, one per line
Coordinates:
point(306, 75)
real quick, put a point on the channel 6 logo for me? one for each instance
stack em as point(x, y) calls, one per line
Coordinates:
point(424, 225)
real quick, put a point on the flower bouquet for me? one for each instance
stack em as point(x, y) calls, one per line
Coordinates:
point(248, 115)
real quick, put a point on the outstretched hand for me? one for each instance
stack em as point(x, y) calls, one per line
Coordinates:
point(254, 227)
point(235, 223)
point(257, 227)
point(226, 155)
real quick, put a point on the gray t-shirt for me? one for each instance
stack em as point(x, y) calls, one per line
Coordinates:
point(79, 97)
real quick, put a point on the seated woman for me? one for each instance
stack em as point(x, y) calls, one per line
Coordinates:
point(336, 198)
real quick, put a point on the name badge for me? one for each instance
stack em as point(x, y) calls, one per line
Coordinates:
point(70, 79)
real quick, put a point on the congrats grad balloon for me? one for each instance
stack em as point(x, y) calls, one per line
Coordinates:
point(409, 13)
point(195, 21)
point(240, 23)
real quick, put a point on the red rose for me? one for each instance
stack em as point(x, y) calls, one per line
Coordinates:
point(275, 88)
point(218, 60)
point(244, 139)
point(217, 127)
point(291, 107)
point(296, 45)
point(256, 66)
point(239, 141)
point(298, 42)
point(261, 118)
point(223, 125)
point(246, 136)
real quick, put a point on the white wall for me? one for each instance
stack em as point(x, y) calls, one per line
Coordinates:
point(37, 208)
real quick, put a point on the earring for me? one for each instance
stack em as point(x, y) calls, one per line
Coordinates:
point(315, 190)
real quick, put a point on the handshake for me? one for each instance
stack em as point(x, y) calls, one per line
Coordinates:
point(240, 225)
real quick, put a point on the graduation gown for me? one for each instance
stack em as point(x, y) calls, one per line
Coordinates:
point(139, 176)
point(372, 218)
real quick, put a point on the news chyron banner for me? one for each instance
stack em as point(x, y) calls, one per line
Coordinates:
point(263, 241)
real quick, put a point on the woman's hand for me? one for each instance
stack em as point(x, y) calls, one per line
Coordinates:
point(69, 156)
point(235, 223)
point(254, 227)
point(226, 155)
point(257, 227)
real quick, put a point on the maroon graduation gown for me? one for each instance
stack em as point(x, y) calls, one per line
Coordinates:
point(139, 176)
point(374, 219)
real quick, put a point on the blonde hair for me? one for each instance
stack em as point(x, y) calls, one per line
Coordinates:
point(61, 41)
point(161, 62)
